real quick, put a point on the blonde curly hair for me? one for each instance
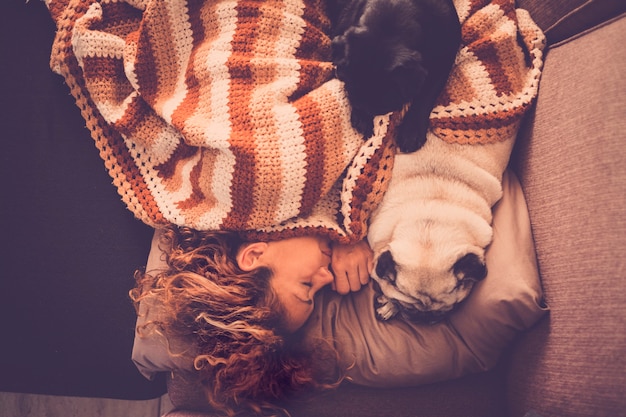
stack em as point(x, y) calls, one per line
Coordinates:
point(247, 360)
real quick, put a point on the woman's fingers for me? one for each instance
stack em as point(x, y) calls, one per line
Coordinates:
point(351, 266)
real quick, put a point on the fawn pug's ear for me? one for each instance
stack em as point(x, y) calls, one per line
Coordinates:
point(386, 267)
point(338, 46)
point(470, 267)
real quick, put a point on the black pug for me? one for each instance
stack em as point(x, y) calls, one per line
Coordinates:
point(393, 52)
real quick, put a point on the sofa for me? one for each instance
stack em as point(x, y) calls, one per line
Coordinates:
point(71, 247)
point(571, 163)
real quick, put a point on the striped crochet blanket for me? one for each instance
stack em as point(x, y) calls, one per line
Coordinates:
point(225, 114)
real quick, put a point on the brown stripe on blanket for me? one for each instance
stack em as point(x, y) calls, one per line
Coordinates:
point(200, 178)
point(57, 8)
point(147, 62)
point(242, 135)
point(139, 122)
point(169, 171)
point(128, 21)
point(186, 116)
point(316, 14)
point(314, 52)
point(475, 6)
point(163, 29)
point(315, 43)
point(465, 91)
point(515, 63)
point(315, 153)
point(99, 70)
point(312, 75)
point(507, 6)
point(487, 53)
point(319, 111)
point(266, 199)
point(483, 135)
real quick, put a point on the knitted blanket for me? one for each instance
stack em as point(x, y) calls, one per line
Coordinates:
point(225, 114)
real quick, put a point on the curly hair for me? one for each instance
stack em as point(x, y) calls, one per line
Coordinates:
point(246, 357)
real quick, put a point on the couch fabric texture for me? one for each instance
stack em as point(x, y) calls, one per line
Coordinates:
point(574, 363)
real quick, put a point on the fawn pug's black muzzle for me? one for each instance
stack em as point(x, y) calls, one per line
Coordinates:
point(422, 307)
point(411, 312)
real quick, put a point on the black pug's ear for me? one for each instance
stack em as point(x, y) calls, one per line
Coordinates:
point(339, 46)
point(470, 267)
point(386, 267)
point(408, 74)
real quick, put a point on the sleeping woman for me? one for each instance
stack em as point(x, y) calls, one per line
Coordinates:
point(243, 303)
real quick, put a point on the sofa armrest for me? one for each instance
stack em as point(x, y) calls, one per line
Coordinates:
point(571, 160)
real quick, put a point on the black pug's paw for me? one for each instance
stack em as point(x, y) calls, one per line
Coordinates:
point(411, 133)
point(363, 123)
point(410, 138)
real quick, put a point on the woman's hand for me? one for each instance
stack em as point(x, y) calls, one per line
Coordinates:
point(351, 265)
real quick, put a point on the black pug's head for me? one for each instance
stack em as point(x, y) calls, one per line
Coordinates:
point(378, 60)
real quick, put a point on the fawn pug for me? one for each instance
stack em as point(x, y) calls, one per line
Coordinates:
point(430, 232)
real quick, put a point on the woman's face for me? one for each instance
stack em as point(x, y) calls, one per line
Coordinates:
point(300, 268)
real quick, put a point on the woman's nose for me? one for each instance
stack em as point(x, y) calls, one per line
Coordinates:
point(323, 277)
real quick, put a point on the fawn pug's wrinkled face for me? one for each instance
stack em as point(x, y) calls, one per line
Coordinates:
point(424, 268)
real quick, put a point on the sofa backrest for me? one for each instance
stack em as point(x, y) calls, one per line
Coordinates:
point(561, 19)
